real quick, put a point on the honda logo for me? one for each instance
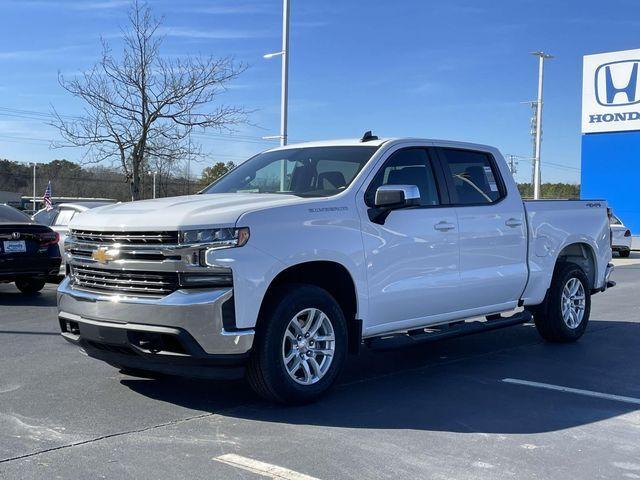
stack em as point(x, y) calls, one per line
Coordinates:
point(617, 83)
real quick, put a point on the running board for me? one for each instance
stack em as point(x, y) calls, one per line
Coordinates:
point(447, 330)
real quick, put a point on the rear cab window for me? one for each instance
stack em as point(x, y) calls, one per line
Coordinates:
point(472, 176)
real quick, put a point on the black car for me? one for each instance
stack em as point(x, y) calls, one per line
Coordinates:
point(29, 253)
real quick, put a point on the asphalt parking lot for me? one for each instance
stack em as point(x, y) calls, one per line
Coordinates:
point(440, 410)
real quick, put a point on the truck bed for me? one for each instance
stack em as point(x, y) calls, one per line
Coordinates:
point(552, 226)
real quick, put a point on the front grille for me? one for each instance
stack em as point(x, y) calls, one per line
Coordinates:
point(115, 282)
point(126, 238)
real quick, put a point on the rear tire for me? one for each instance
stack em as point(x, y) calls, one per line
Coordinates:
point(30, 286)
point(624, 253)
point(300, 345)
point(565, 313)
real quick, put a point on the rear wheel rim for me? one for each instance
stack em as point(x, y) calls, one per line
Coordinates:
point(308, 346)
point(573, 303)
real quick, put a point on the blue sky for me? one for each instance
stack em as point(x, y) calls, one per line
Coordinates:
point(456, 69)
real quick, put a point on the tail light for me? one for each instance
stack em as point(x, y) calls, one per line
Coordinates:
point(627, 233)
point(49, 238)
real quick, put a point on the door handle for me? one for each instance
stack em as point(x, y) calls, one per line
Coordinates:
point(444, 226)
point(513, 222)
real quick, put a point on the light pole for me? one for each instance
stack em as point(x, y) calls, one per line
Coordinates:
point(154, 182)
point(34, 187)
point(536, 168)
point(284, 99)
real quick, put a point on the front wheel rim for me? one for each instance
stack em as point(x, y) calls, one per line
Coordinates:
point(308, 346)
point(574, 302)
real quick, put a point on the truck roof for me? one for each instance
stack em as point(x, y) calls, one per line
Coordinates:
point(380, 141)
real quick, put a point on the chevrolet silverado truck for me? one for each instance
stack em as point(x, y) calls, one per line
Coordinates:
point(301, 254)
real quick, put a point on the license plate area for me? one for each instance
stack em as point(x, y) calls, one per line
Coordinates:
point(14, 246)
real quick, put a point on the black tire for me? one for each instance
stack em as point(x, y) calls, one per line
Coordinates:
point(624, 253)
point(30, 286)
point(548, 316)
point(266, 371)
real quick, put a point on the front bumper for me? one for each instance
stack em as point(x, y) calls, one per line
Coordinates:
point(183, 333)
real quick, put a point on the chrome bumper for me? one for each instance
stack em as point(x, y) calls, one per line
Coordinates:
point(607, 275)
point(197, 312)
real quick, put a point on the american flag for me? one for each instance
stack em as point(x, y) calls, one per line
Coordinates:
point(47, 198)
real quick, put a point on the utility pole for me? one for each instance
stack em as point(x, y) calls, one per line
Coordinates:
point(513, 164)
point(536, 169)
point(284, 98)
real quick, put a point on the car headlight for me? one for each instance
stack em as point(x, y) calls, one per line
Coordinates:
point(216, 237)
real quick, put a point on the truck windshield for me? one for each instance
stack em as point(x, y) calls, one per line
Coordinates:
point(309, 172)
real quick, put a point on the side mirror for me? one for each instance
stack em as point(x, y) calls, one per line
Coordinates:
point(397, 196)
point(393, 197)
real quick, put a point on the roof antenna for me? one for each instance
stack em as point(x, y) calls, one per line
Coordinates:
point(368, 136)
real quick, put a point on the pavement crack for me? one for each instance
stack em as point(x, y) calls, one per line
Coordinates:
point(107, 436)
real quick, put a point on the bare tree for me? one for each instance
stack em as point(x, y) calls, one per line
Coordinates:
point(142, 106)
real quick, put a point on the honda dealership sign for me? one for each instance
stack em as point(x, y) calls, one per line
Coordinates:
point(611, 92)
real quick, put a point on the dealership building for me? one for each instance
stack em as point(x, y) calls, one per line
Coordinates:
point(611, 134)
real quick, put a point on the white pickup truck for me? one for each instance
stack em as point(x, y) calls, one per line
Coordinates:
point(286, 264)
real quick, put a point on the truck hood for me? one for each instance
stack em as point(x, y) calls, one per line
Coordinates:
point(190, 211)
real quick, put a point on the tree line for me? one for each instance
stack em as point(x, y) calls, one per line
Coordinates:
point(69, 179)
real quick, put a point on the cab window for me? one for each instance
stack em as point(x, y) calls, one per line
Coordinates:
point(411, 166)
point(64, 217)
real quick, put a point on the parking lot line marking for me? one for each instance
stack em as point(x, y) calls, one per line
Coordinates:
point(578, 391)
point(262, 468)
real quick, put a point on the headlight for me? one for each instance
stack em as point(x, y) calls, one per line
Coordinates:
point(216, 237)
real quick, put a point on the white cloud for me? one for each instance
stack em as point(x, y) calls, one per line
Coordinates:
point(211, 34)
point(73, 5)
point(43, 53)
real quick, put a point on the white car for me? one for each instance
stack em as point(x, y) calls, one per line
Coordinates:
point(621, 237)
point(299, 255)
point(60, 215)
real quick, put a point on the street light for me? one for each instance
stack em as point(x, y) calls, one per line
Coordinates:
point(284, 53)
point(536, 166)
point(154, 182)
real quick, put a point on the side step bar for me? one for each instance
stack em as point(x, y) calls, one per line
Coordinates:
point(447, 330)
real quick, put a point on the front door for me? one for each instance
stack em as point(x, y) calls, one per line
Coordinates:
point(412, 260)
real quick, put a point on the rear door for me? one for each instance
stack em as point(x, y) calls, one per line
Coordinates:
point(493, 241)
point(412, 260)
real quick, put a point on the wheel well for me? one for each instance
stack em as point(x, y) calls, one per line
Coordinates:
point(332, 277)
point(582, 255)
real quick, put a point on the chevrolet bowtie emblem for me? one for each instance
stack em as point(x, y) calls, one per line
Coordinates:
point(104, 255)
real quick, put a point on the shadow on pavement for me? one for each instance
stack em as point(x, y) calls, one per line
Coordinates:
point(45, 298)
point(453, 385)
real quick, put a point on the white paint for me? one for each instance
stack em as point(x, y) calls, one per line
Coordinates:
point(620, 66)
point(261, 468)
point(578, 391)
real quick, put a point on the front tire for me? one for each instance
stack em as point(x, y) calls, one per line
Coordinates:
point(30, 286)
point(624, 253)
point(565, 314)
point(301, 345)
